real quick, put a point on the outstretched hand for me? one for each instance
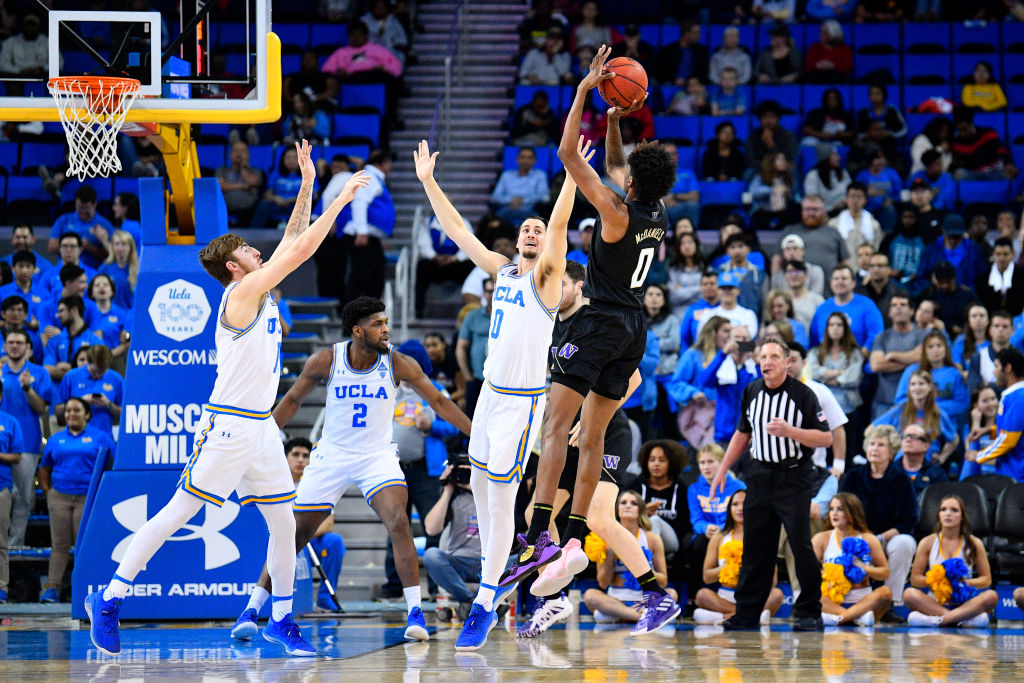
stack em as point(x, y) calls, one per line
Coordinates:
point(596, 74)
point(424, 161)
point(616, 112)
point(357, 182)
point(584, 150)
point(306, 165)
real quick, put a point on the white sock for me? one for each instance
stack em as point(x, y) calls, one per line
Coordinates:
point(412, 597)
point(830, 619)
point(706, 616)
point(485, 597)
point(258, 599)
point(866, 619)
point(118, 588)
point(282, 607)
point(766, 617)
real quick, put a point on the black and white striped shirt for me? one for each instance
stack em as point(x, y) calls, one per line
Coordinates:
point(794, 402)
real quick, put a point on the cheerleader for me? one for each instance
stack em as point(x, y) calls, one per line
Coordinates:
point(722, 566)
point(860, 605)
point(951, 600)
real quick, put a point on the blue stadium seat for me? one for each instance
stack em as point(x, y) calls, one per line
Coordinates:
point(328, 35)
point(722, 193)
point(992, 119)
point(677, 127)
point(26, 187)
point(290, 63)
point(976, 38)
point(963, 67)
point(50, 154)
point(1014, 69)
point(357, 125)
point(790, 96)
point(524, 95)
point(914, 95)
point(651, 33)
point(1015, 124)
point(125, 184)
point(78, 63)
point(809, 156)
point(237, 64)
point(917, 122)
point(215, 132)
point(1014, 95)
point(917, 66)
point(708, 124)
point(983, 192)
point(261, 156)
point(294, 35)
point(211, 155)
point(923, 37)
point(327, 152)
point(667, 92)
point(9, 156)
point(814, 93)
point(791, 122)
point(366, 95)
point(687, 157)
point(669, 34)
point(874, 37)
point(36, 90)
point(874, 68)
point(229, 33)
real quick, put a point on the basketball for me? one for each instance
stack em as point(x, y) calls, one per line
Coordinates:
point(630, 82)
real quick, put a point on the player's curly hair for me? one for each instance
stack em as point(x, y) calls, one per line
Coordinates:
point(653, 172)
point(357, 311)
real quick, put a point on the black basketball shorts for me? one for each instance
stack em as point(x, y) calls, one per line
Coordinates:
point(600, 350)
point(618, 454)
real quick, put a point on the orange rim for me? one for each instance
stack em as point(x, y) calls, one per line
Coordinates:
point(92, 86)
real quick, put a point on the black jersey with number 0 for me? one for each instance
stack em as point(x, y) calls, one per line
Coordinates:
point(616, 271)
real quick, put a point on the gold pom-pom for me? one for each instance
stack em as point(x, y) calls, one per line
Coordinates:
point(834, 584)
point(732, 553)
point(940, 586)
point(595, 548)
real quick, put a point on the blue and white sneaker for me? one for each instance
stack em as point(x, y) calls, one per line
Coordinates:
point(474, 632)
point(546, 614)
point(286, 632)
point(503, 592)
point(416, 625)
point(49, 596)
point(658, 610)
point(103, 628)
point(246, 626)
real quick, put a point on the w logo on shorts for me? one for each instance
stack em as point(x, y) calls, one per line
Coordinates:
point(567, 350)
point(611, 462)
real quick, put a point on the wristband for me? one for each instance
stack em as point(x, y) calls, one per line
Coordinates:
point(839, 465)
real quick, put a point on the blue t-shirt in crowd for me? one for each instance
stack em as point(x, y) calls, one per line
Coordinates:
point(124, 295)
point(70, 222)
point(35, 296)
point(950, 390)
point(284, 312)
point(15, 403)
point(49, 283)
point(947, 426)
point(62, 348)
point(111, 324)
point(72, 458)
point(726, 102)
point(888, 182)
point(865, 319)
point(704, 509)
point(78, 382)
point(10, 442)
point(286, 186)
point(945, 198)
point(47, 314)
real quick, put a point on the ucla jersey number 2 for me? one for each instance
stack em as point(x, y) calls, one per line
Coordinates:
point(359, 416)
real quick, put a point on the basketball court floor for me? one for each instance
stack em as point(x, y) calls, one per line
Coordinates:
point(371, 648)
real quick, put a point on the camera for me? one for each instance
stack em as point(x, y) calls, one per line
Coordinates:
point(461, 470)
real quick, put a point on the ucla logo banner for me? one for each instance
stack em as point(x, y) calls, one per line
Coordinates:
point(179, 310)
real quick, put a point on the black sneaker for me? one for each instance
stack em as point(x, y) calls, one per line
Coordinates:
point(808, 624)
point(738, 623)
point(890, 617)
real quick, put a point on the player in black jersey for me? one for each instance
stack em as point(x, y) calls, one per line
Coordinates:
point(604, 343)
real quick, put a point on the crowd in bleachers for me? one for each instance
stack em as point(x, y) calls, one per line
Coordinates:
point(861, 180)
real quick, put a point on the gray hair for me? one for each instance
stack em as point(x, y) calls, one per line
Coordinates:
point(834, 29)
point(887, 432)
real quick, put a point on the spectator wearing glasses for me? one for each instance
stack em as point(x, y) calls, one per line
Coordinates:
point(913, 449)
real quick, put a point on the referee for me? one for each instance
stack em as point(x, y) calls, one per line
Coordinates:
point(782, 417)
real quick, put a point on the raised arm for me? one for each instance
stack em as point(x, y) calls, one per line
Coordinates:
point(448, 216)
point(551, 264)
point(314, 372)
point(614, 215)
point(299, 220)
point(254, 286)
point(408, 370)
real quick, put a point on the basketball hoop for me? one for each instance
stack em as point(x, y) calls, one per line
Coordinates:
point(92, 110)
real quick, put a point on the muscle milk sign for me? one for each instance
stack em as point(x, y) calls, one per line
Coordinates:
point(172, 362)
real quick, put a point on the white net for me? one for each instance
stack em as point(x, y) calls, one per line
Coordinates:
point(92, 111)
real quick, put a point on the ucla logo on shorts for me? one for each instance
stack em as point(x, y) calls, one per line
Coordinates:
point(611, 462)
point(567, 350)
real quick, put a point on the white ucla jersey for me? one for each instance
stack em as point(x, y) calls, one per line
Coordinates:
point(248, 362)
point(360, 404)
point(520, 333)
